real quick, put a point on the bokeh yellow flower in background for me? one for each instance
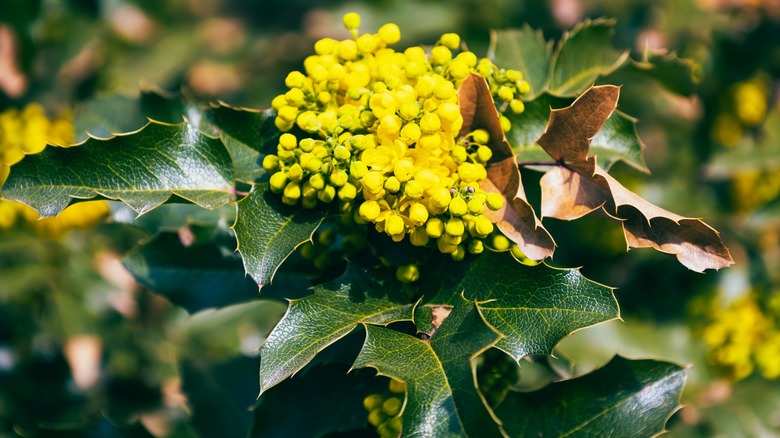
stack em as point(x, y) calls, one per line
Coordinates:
point(28, 131)
point(742, 336)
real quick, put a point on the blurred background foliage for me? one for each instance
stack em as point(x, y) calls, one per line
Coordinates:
point(86, 349)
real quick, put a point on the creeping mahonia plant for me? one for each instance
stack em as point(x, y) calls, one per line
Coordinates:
point(28, 131)
point(381, 130)
point(361, 196)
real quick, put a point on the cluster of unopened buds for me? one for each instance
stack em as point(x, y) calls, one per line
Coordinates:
point(380, 131)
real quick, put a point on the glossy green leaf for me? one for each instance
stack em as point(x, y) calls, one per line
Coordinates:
point(618, 140)
point(247, 162)
point(254, 128)
point(193, 277)
point(334, 402)
point(524, 50)
point(106, 116)
point(172, 217)
point(268, 231)
point(441, 395)
point(143, 169)
point(533, 307)
point(582, 56)
point(624, 398)
point(332, 312)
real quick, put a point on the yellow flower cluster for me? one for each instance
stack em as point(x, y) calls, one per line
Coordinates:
point(752, 188)
point(379, 129)
point(742, 337)
point(27, 132)
point(748, 104)
point(384, 409)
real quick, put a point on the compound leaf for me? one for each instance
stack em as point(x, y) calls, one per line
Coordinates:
point(624, 398)
point(441, 395)
point(268, 231)
point(332, 312)
point(143, 169)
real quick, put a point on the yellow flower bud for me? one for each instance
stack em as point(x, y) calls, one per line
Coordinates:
point(292, 190)
point(414, 189)
point(351, 20)
point(404, 274)
point(458, 207)
point(434, 228)
point(369, 210)
point(517, 106)
point(373, 181)
point(494, 201)
point(390, 33)
point(454, 227)
point(347, 192)
point(394, 225)
point(418, 237)
point(418, 213)
point(440, 197)
point(392, 184)
point(440, 55)
point(278, 181)
point(450, 40)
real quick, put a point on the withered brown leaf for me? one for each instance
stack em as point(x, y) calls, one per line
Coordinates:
point(579, 187)
point(516, 219)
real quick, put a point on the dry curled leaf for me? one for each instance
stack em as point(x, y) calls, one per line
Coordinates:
point(579, 187)
point(516, 219)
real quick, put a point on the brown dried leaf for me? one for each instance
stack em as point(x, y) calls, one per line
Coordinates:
point(579, 187)
point(570, 129)
point(516, 219)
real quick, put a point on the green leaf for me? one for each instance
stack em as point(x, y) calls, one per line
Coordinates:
point(268, 231)
point(235, 330)
point(106, 116)
point(442, 399)
point(524, 50)
point(624, 398)
point(172, 217)
point(334, 402)
point(332, 312)
point(254, 128)
point(143, 169)
point(533, 307)
point(194, 277)
point(530, 125)
point(247, 162)
point(618, 140)
point(582, 56)
point(218, 395)
point(674, 73)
